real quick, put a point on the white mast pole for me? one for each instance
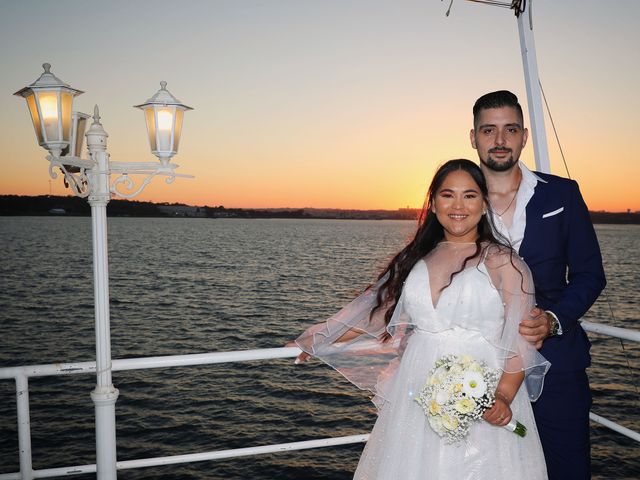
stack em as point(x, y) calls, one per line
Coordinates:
point(534, 94)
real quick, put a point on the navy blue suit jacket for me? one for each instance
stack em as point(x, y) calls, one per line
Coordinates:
point(561, 249)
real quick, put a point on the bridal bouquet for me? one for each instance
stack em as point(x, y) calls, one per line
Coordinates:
point(458, 391)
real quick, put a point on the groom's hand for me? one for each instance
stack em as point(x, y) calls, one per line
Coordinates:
point(535, 327)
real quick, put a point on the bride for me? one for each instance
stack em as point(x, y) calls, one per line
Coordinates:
point(453, 290)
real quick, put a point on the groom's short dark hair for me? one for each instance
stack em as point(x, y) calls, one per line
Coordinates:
point(498, 99)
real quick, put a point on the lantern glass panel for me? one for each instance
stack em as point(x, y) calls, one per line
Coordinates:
point(78, 127)
point(176, 135)
point(82, 126)
point(151, 127)
point(48, 102)
point(35, 118)
point(66, 104)
point(165, 117)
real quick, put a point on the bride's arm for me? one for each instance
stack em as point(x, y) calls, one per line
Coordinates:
point(522, 362)
point(345, 326)
point(350, 334)
point(500, 413)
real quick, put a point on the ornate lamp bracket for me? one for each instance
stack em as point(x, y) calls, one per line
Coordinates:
point(75, 176)
point(124, 186)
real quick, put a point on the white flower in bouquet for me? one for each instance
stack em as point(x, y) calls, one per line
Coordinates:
point(475, 367)
point(436, 424)
point(467, 359)
point(442, 397)
point(474, 384)
point(466, 405)
point(450, 422)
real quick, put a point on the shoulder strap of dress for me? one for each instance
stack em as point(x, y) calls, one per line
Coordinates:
point(485, 252)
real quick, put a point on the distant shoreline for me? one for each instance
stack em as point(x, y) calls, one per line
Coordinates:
point(49, 205)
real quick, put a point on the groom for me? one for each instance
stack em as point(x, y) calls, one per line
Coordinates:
point(547, 222)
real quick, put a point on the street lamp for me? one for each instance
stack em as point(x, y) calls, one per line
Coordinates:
point(50, 103)
point(163, 113)
point(60, 131)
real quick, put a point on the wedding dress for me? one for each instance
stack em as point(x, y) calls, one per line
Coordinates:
point(474, 312)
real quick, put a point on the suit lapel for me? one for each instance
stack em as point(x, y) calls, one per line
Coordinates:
point(534, 217)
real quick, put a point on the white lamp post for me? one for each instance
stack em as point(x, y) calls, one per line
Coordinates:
point(60, 132)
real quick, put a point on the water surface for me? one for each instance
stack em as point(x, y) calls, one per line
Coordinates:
point(181, 286)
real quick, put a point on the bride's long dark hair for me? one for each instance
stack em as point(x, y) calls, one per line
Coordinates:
point(429, 233)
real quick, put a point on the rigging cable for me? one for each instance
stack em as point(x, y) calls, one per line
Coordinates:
point(555, 132)
point(626, 356)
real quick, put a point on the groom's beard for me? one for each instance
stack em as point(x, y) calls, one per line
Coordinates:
point(502, 166)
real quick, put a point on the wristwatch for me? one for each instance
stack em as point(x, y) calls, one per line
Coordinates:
point(554, 323)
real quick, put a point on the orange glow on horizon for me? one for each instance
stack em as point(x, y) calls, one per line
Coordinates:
point(385, 190)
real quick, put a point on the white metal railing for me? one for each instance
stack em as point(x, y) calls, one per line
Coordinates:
point(21, 375)
point(624, 333)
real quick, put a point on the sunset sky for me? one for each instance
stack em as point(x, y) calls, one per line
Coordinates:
point(325, 103)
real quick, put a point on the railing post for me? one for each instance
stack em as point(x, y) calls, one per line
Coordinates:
point(24, 426)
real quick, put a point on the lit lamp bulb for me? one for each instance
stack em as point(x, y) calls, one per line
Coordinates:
point(163, 114)
point(165, 121)
point(49, 109)
point(165, 129)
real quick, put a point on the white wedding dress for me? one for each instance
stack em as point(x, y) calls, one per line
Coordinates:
point(476, 313)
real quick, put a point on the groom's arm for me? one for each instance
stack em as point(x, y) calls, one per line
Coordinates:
point(585, 275)
point(585, 272)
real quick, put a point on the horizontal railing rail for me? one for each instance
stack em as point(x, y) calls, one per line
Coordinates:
point(21, 374)
point(617, 332)
point(196, 457)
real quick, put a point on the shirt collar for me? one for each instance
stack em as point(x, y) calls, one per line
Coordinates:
point(529, 178)
point(525, 192)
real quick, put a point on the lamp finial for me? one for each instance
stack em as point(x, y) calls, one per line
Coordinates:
point(47, 67)
point(96, 115)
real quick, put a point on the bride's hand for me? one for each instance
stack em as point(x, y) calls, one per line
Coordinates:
point(303, 357)
point(499, 414)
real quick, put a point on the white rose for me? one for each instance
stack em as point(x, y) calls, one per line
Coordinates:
point(442, 396)
point(449, 422)
point(466, 405)
point(466, 359)
point(436, 424)
point(475, 367)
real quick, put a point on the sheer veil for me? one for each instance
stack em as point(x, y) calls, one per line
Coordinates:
point(370, 358)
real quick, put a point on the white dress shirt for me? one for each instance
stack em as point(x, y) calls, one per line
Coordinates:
point(515, 233)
